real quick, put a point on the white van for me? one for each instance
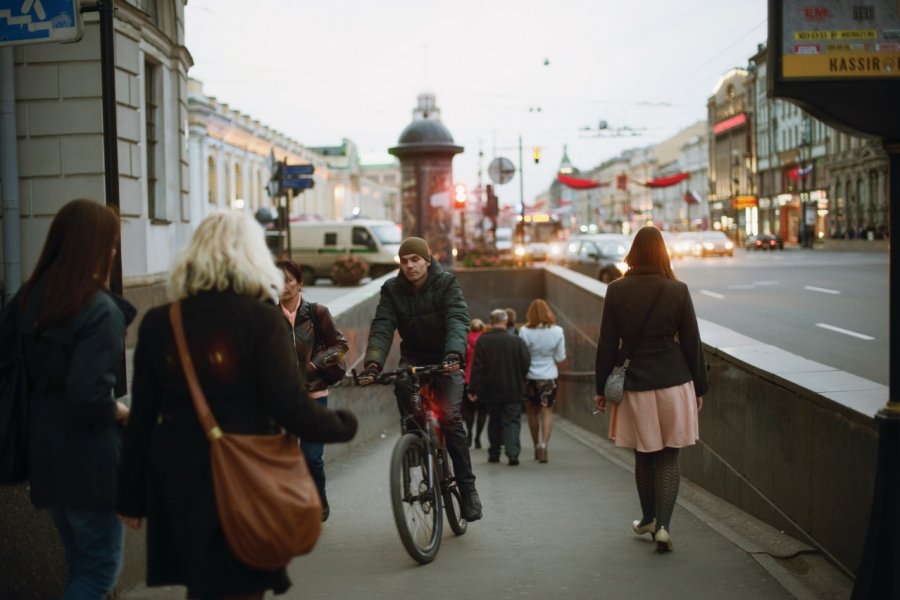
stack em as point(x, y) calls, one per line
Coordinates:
point(315, 245)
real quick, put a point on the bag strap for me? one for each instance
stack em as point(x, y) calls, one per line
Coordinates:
point(204, 414)
point(644, 324)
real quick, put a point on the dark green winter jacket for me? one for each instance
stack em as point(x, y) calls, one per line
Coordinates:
point(432, 321)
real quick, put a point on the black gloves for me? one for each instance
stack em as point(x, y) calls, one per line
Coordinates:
point(368, 374)
point(452, 361)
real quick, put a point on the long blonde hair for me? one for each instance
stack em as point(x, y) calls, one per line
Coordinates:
point(228, 251)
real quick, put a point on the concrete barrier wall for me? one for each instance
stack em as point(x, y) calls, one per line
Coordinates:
point(788, 440)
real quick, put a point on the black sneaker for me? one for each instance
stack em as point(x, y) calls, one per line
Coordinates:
point(513, 461)
point(471, 505)
point(326, 510)
point(493, 459)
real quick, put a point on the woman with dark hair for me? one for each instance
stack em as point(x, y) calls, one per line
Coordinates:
point(547, 345)
point(315, 354)
point(665, 380)
point(73, 332)
point(240, 347)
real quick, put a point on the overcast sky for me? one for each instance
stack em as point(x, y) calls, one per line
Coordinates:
point(323, 71)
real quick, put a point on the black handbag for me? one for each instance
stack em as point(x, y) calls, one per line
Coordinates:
point(334, 367)
point(614, 388)
point(13, 400)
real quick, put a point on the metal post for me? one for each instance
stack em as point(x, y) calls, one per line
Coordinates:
point(520, 230)
point(878, 576)
point(287, 218)
point(106, 8)
point(9, 172)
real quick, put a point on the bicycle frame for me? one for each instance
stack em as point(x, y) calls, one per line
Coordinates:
point(436, 488)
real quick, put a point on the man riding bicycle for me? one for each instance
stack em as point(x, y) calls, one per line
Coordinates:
point(425, 305)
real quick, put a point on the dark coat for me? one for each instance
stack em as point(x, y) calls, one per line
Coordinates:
point(433, 321)
point(333, 342)
point(241, 349)
point(72, 367)
point(499, 367)
point(659, 360)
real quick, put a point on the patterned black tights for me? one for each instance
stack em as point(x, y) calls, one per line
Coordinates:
point(657, 478)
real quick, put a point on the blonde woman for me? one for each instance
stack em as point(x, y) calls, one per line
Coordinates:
point(547, 344)
point(240, 344)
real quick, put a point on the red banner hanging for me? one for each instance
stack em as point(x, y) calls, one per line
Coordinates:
point(579, 184)
point(662, 182)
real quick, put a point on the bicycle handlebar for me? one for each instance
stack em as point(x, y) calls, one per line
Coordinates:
point(417, 372)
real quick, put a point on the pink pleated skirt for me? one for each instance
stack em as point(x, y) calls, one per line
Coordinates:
point(651, 420)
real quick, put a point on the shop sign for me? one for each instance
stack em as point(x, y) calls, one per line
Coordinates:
point(741, 202)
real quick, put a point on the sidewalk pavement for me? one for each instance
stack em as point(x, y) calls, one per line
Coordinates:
point(555, 530)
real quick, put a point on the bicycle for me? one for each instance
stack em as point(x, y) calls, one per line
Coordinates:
point(421, 477)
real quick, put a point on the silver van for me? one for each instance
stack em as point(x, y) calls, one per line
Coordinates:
point(316, 245)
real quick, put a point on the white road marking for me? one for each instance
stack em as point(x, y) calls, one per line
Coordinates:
point(712, 294)
point(861, 336)
point(765, 283)
point(742, 287)
point(813, 288)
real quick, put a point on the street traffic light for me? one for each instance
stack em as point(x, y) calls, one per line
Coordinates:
point(537, 154)
point(491, 209)
point(460, 196)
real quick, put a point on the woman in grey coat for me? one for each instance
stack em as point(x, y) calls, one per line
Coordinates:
point(665, 381)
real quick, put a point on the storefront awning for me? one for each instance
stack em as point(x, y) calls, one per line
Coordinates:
point(661, 182)
point(579, 184)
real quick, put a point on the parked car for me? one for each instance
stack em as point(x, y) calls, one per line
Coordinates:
point(764, 241)
point(712, 243)
point(601, 256)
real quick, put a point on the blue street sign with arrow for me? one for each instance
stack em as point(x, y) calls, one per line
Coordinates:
point(35, 21)
point(294, 171)
point(298, 184)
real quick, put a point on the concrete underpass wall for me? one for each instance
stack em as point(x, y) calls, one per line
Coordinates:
point(788, 440)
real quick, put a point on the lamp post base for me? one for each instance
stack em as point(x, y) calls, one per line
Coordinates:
point(878, 575)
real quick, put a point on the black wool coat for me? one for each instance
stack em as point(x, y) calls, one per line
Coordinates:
point(75, 443)
point(499, 367)
point(669, 352)
point(241, 349)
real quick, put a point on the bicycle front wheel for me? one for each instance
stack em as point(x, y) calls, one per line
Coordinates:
point(452, 497)
point(417, 505)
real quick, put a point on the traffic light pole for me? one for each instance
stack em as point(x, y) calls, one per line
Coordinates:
point(287, 224)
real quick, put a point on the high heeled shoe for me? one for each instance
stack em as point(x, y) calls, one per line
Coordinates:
point(642, 529)
point(663, 540)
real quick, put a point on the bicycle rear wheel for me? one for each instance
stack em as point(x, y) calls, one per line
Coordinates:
point(417, 507)
point(452, 497)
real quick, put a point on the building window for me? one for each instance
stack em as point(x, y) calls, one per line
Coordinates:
point(152, 120)
point(211, 179)
point(150, 8)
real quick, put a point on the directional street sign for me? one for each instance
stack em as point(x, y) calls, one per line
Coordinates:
point(36, 21)
point(297, 171)
point(298, 184)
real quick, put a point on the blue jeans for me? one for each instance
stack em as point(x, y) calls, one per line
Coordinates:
point(315, 458)
point(93, 543)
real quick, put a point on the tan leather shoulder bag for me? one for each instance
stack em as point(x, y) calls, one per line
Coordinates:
point(268, 504)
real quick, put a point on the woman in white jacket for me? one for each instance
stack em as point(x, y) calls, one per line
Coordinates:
point(547, 345)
